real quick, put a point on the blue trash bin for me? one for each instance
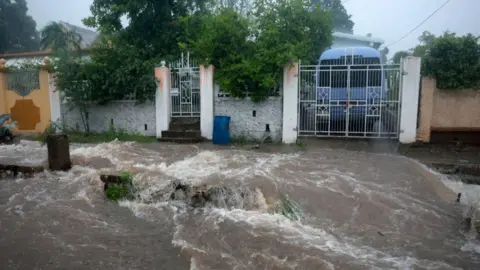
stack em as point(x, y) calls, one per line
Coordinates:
point(221, 129)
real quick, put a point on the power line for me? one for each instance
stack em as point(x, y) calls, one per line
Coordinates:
point(426, 19)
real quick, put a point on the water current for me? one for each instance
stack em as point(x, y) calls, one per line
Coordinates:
point(357, 211)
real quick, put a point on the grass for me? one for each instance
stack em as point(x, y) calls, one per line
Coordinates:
point(241, 140)
point(124, 190)
point(112, 134)
point(300, 144)
point(288, 208)
point(78, 137)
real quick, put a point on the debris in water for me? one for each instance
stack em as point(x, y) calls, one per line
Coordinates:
point(458, 197)
point(380, 233)
point(118, 187)
point(288, 208)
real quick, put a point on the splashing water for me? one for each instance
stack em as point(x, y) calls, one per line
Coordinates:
point(354, 211)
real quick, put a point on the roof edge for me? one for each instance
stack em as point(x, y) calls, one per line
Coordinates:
point(358, 37)
point(35, 53)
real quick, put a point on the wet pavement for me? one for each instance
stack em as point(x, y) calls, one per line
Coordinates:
point(360, 209)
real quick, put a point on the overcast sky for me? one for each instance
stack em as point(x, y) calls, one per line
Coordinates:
point(385, 19)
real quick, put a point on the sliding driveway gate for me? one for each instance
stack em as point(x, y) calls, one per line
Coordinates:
point(360, 101)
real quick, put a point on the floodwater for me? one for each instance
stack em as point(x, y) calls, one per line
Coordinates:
point(358, 211)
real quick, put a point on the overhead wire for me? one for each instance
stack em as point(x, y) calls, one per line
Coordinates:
point(425, 20)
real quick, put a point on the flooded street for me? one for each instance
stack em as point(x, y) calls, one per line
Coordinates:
point(356, 211)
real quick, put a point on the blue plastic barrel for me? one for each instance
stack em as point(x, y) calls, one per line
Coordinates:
point(221, 129)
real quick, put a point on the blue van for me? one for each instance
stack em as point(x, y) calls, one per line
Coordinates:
point(350, 80)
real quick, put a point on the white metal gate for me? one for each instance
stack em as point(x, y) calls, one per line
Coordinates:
point(185, 91)
point(358, 100)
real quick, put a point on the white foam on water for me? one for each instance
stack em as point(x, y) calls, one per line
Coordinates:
point(195, 169)
point(24, 153)
point(292, 232)
point(193, 264)
point(471, 247)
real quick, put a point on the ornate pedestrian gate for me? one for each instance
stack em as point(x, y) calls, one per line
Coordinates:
point(349, 100)
point(185, 90)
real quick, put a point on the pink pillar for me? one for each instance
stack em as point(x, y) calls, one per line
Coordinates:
point(162, 98)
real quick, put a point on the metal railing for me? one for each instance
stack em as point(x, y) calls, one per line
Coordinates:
point(357, 100)
point(185, 90)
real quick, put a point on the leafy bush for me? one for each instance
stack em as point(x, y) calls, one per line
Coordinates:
point(123, 190)
point(454, 61)
point(288, 208)
point(249, 53)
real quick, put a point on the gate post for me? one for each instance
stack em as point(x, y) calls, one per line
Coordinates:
point(409, 102)
point(206, 101)
point(53, 94)
point(290, 103)
point(3, 90)
point(162, 98)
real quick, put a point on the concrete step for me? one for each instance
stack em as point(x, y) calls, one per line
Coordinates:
point(181, 134)
point(184, 127)
point(181, 140)
point(185, 123)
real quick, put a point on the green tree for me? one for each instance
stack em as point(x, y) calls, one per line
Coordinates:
point(17, 29)
point(56, 36)
point(397, 57)
point(453, 60)
point(426, 41)
point(153, 25)
point(79, 81)
point(250, 54)
point(129, 54)
point(340, 18)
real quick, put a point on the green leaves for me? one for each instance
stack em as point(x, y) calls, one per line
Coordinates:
point(17, 29)
point(250, 52)
point(57, 37)
point(453, 61)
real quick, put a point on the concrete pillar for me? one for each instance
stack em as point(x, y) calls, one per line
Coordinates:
point(162, 98)
point(290, 103)
point(207, 88)
point(58, 152)
point(55, 102)
point(410, 95)
point(3, 89)
point(429, 86)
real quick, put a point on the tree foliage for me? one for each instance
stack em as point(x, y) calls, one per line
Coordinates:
point(56, 36)
point(341, 20)
point(453, 60)
point(397, 57)
point(249, 44)
point(76, 79)
point(17, 29)
point(249, 53)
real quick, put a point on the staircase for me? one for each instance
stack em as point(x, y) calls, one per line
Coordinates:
point(183, 130)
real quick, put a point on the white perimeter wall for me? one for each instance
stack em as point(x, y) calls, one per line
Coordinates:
point(244, 124)
point(126, 115)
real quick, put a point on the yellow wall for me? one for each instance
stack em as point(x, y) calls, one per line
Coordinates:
point(450, 110)
point(40, 98)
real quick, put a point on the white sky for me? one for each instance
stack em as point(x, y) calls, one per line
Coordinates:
point(385, 19)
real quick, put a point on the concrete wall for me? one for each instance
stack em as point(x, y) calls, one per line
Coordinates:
point(126, 114)
point(456, 109)
point(32, 112)
point(450, 110)
point(243, 123)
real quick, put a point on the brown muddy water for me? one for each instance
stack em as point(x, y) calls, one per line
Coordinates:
point(358, 211)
